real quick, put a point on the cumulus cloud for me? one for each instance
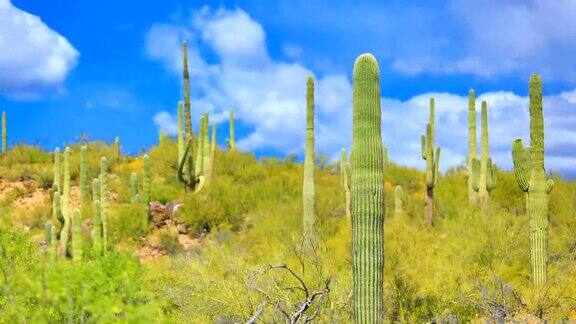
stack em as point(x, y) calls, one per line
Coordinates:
point(34, 59)
point(166, 123)
point(268, 97)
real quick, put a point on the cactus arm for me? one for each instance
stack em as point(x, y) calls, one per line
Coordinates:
point(521, 161)
point(549, 185)
point(423, 145)
point(436, 165)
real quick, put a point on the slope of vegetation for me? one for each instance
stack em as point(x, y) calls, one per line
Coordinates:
point(468, 266)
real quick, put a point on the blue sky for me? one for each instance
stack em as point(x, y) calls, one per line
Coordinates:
point(111, 68)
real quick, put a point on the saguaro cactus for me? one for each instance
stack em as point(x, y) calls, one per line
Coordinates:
point(398, 202)
point(483, 172)
point(57, 167)
point(133, 187)
point(77, 236)
point(117, 148)
point(531, 177)
point(53, 244)
point(432, 158)
point(344, 181)
point(83, 174)
point(97, 229)
point(206, 146)
point(200, 150)
point(65, 204)
point(4, 132)
point(146, 191)
point(472, 149)
point(211, 155)
point(231, 142)
point(104, 202)
point(180, 133)
point(308, 233)
point(186, 77)
point(367, 189)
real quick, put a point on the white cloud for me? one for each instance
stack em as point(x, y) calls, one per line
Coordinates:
point(268, 97)
point(166, 123)
point(33, 58)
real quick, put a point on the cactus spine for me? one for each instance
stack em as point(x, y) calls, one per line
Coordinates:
point(77, 236)
point(103, 179)
point(531, 177)
point(344, 181)
point(432, 158)
point(97, 229)
point(83, 175)
point(483, 172)
point(133, 187)
point(57, 174)
point(4, 132)
point(65, 204)
point(308, 187)
point(398, 202)
point(146, 191)
point(186, 76)
point(472, 149)
point(231, 142)
point(180, 133)
point(367, 187)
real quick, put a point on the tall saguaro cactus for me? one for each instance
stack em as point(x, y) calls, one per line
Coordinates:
point(77, 236)
point(432, 158)
point(4, 132)
point(345, 181)
point(65, 204)
point(211, 155)
point(367, 189)
point(186, 77)
point(97, 229)
point(472, 149)
point(531, 177)
point(231, 141)
point(83, 174)
point(57, 167)
point(308, 233)
point(201, 149)
point(103, 179)
point(483, 171)
point(180, 133)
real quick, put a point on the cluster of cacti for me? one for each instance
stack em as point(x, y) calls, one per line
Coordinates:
point(531, 177)
point(345, 181)
point(4, 132)
point(483, 171)
point(367, 188)
point(432, 158)
point(231, 140)
point(398, 202)
point(308, 232)
point(146, 191)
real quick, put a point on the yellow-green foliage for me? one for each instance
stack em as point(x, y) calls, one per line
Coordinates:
point(464, 267)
